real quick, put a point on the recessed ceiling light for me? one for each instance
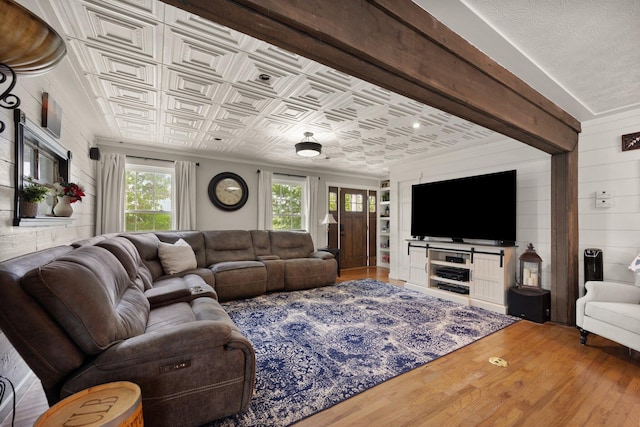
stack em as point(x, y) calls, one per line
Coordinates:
point(416, 125)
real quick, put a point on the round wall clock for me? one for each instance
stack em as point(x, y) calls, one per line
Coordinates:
point(228, 191)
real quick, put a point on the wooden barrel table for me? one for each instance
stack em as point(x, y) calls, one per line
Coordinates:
point(106, 405)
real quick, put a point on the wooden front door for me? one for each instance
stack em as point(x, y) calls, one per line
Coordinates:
point(354, 212)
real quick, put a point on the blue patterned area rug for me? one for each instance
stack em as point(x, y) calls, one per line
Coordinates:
point(318, 347)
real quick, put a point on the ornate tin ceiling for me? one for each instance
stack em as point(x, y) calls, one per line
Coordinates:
point(165, 78)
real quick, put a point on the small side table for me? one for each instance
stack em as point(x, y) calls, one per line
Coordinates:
point(335, 252)
point(112, 404)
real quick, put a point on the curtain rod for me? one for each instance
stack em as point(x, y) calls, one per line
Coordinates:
point(151, 158)
point(287, 174)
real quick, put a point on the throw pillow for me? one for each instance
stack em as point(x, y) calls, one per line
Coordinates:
point(176, 257)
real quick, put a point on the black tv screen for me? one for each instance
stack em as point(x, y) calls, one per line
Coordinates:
point(481, 207)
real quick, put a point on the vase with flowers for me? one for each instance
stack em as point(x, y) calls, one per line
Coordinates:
point(66, 193)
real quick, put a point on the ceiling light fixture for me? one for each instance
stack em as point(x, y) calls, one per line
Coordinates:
point(308, 148)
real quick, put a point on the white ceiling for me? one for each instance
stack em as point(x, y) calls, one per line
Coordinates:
point(164, 79)
point(581, 54)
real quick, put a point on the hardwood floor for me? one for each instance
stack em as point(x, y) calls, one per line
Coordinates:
point(551, 380)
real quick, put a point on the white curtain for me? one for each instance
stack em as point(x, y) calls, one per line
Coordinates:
point(185, 195)
point(265, 210)
point(110, 195)
point(310, 207)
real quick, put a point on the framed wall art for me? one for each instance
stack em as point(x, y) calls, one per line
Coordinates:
point(51, 115)
point(631, 141)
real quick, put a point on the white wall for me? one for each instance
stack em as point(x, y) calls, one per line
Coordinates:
point(208, 217)
point(16, 241)
point(604, 166)
point(533, 193)
point(75, 137)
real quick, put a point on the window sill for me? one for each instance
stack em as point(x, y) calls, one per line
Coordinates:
point(43, 221)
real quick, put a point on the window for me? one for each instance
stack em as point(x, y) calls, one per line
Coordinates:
point(43, 159)
point(287, 203)
point(372, 203)
point(39, 164)
point(38, 157)
point(333, 201)
point(149, 204)
point(353, 202)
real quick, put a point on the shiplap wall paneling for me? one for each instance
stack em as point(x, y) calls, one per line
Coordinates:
point(604, 166)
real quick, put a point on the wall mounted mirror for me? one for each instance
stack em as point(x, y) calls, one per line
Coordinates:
point(38, 157)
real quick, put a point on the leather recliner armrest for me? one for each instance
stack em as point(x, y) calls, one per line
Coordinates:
point(173, 341)
point(198, 361)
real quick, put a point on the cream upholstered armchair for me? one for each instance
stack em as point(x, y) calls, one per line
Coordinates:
point(611, 310)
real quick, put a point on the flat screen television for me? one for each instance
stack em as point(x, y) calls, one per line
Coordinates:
point(481, 207)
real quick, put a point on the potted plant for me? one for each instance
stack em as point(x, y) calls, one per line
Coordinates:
point(32, 194)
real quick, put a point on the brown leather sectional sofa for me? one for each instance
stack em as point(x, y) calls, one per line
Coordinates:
point(105, 309)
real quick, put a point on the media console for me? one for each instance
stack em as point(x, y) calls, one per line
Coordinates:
point(471, 274)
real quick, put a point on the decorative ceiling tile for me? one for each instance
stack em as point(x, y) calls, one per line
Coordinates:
point(193, 24)
point(234, 117)
point(124, 92)
point(275, 55)
point(417, 151)
point(246, 100)
point(374, 123)
point(401, 132)
point(177, 121)
point(133, 111)
point(423, 138)
point(180, 82)
point(185, 106)
point(229, 130)
point(167, 78)
point(254, 84)
point(174, 132)
point(200, 55)
point(292, 112)
point(120, 30)
point(312, 92)
point(273, 126)
point(115, 66)
point(152, 9)
point(128, 124)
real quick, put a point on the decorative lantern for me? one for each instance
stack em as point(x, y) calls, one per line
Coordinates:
point(530, 268)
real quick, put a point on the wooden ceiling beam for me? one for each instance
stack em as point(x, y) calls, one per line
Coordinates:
point(398, 46)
